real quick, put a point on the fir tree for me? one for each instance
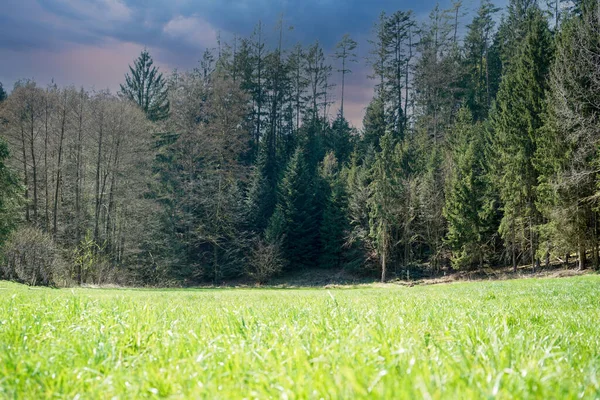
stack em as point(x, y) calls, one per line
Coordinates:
point(335, 223)
point(144, 85)
point(296, 218)
point(469, 206)
point(479, 90)
point(517, 121)
point(2, 93)
point(568, 156)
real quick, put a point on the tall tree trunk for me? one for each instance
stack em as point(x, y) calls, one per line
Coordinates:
point(59, 165)
point(34, 168)
point(513, 248)
point(78, 172)
point(97, 183)
point(46, 183)
point(25, 175)
point(582, 256)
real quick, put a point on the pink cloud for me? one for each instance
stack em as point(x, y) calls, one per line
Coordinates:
point(100, 67)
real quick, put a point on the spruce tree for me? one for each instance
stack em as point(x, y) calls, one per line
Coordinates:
point(345, 51)
point(296, 219)
point(479, 90)
point(2, 93)
point(334, 227)
point(517, 123)
point(144, 85)
point(340, 139)
point(568, 157)
point(469, 206)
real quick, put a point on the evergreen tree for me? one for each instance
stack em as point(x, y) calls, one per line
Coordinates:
point(334, 227)
point(144, 85)
point(2, 93)
point(568, 156)
point(261, 197)
point(469, 206)
point(517, 121)
point(479, 90)
point(345, 51)
point(373, 124)
point(398, 31)
point(296, 218)
point(437, 75)
point(341, 139)
point(392, 203)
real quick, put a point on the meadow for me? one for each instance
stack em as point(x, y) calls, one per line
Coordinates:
point(531, 338)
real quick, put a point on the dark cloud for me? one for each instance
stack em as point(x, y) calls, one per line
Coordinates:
point(176, 31)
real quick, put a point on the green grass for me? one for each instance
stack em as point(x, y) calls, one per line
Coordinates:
point(534, 338)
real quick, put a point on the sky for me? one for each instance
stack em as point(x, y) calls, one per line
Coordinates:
point(90, 43)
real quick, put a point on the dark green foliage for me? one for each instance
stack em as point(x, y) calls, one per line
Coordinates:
point(469, 206)
point(297, 219)
point(517, 122)
point(2, 93)
point(341, 139)
point(476, 149)
point(480, 74)
point(145, 85)
point(374, 124)
point(567, 156)
point(261, 196)
point(335, 226)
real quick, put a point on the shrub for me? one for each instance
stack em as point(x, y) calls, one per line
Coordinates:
point(265, 261)
point(31, 257)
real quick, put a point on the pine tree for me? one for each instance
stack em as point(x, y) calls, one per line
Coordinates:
point(374, 124)
point(479, 90)
point(144, 85)
point(334, 227)
point(261, 197)
point(340, 139)
point(345, 51)
point(568, 156)
point(391, 207)
point(2, 93)
point(437, 75)
point(296, 218)
point(517, 121)
point(469, 206)
point(398, 31)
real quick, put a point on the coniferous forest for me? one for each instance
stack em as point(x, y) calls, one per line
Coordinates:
point(479, 149)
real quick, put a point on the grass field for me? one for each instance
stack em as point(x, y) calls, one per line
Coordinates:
point(532, 338)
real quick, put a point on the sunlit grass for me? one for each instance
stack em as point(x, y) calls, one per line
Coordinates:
point(513, 339)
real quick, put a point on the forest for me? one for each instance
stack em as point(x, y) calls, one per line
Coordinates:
point(479, 149)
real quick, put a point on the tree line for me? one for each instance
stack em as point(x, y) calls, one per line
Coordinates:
point(478, 149)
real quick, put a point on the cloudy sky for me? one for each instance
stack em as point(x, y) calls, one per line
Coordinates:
point(90, 42)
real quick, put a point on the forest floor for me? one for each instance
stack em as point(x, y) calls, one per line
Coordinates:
point(418, 276)
point(528, 339)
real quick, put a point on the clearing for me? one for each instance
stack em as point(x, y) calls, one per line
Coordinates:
point(531, 338)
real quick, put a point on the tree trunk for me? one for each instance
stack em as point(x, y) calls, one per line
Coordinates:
point(59, 166)
point(514, 250)
point(34, 169)
point(383, 267)
point(78, 172)
point(46, 184)
point(25, 177)
point(582, 257)
point(97, 183)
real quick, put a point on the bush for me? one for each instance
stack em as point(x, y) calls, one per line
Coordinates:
point(31, 257)
point(265, 261)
